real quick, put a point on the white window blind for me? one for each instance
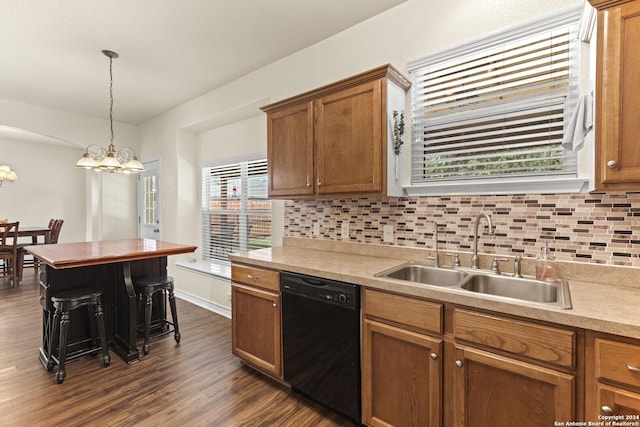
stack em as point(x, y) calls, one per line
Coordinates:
point(497, 107)
point(236, 213)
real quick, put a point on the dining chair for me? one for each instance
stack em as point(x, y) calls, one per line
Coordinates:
point(54, 225)
point(9, 250)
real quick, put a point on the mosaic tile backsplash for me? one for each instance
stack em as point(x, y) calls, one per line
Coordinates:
point(597, 228)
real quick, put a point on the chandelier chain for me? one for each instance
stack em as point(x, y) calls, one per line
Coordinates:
point(111, 96)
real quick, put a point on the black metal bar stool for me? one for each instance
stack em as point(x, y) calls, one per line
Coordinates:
point(145, 288)
point(64, 303)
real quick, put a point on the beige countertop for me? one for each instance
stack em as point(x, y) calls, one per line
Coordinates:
point(604, 298)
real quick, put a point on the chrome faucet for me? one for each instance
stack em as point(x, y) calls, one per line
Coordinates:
point(474, 258)
point(435, 236)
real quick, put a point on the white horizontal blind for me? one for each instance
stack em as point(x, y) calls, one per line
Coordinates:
point(236, 213)
point(496, 108)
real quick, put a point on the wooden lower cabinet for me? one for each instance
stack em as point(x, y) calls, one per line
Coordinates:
point(493, 390)
point(401, 377)
point(618, 401)
point(256, 323)
point(427, 363)
point(613, 371)
point(256, 318)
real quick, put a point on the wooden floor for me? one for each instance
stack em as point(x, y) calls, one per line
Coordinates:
point(196, 383)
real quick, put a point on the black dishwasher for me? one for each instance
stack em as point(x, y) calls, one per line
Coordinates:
point(321, 341)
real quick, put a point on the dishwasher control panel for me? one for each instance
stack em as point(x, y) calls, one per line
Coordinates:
point(330, 291)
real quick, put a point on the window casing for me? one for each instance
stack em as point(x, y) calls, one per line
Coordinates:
point(236, 211)
point(495, 110)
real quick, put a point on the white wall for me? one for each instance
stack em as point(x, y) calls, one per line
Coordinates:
point(48, 186)
point(406, 32)
point(93, 206)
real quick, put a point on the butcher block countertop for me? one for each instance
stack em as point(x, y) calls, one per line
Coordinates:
point(604, 298)
point(71, 255)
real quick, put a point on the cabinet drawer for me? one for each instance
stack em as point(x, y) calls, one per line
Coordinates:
point(618, 361)
point(255, 276)
point(543, 343)
point(411, 312)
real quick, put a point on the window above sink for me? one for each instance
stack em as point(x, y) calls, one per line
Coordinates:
point(492, 116)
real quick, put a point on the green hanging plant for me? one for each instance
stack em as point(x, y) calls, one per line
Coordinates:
point(398, 130)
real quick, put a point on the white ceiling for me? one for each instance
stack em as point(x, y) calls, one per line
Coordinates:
point(170, 50)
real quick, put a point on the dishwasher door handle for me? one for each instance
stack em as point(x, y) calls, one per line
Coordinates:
point(313, 282)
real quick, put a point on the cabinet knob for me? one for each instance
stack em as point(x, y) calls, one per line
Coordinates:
point(459, 363)
point(319, 184)
point(612, 164)
point(308, 184)
point(250, 277)
point(606, 410)
point(275, 305)
point(434, 356)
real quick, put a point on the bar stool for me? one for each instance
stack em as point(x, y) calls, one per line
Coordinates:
point(145, 288)
point(64, 303)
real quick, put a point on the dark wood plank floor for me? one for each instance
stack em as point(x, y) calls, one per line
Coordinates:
point(196, 383)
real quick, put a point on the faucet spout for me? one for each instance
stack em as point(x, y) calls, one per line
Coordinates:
point(435, 237)
point(474, 258)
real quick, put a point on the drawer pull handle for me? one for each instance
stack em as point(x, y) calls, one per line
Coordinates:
point(633, 368)
point(606, 410)
point(250, 277)
point(434, 356)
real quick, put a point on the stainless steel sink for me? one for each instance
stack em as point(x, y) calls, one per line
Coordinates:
point(424, 274)
point(500, 287)
point(554, 293)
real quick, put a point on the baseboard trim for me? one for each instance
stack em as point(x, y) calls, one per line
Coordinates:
point(203, 303)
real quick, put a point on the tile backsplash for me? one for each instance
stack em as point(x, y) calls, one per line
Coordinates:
point(599, 228)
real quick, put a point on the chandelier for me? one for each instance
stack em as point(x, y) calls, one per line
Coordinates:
point(7, 175)
point(110, 159)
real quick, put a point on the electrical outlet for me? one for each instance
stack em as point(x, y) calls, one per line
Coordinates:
point(316, 228)
point(344, 231)
point(387, 233)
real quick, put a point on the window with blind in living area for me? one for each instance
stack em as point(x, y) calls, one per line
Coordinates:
point(236, 213)
point(495, 111)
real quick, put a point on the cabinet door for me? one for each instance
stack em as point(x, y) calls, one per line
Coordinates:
point(401, 377)
point(618, 108)
point(256, 333)
point(290, 151)
point(496, 391)
point(612, 400)
point(349, 138)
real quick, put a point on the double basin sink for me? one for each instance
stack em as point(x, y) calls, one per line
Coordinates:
point(495, 286)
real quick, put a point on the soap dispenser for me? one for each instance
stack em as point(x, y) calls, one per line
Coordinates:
point(545, 265)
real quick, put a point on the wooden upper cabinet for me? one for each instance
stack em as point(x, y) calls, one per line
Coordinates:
point(290, 150)
point(349, 140)
point(617, 88)
point(336, 140)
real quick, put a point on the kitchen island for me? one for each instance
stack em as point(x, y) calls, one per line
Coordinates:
point(110, 266)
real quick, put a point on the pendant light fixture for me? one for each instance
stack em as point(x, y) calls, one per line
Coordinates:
point(98, 158)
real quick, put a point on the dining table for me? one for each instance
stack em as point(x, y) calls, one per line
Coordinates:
point(112, 267)
point(35, 231)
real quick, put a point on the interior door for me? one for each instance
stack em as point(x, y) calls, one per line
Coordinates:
point(149, 201)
